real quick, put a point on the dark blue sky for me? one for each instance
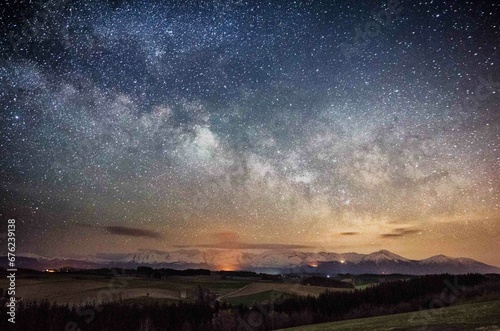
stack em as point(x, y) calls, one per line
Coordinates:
point(276, 122)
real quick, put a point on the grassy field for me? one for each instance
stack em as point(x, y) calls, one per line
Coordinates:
point(79, 289)
point(290, 288)
point(476, 316)
point(263, 292)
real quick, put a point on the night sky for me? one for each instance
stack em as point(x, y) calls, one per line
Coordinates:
point(315, 125)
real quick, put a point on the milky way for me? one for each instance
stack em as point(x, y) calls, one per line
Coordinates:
point(327, 125)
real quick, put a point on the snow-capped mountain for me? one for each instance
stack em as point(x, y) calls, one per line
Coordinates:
point(436, 259)
point(462, 265)
point(383, 256)
point(277, 261)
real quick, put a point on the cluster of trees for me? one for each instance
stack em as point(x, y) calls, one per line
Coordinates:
point(249, 274)
point(417, 292)
point(159, 273)
point(112, 316)
point(386, 298)
point(238, 273)
point(325, 282)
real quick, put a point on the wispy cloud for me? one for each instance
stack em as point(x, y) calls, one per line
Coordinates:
point(400, 232)
point(132, 232)
point(125, 231)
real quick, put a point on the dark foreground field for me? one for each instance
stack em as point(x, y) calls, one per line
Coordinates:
point(221, 302)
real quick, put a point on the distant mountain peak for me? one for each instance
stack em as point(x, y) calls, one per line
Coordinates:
point(437, 259)
point(384, 255)
point(274, 261)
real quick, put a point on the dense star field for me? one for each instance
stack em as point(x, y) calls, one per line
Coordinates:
point(314, 125)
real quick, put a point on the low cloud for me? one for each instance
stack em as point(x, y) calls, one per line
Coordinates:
point(132, 232)
point(400, 232)
point(125, 231)
point(349, 233)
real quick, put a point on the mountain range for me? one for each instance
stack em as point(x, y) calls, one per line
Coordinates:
point(270, 261)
